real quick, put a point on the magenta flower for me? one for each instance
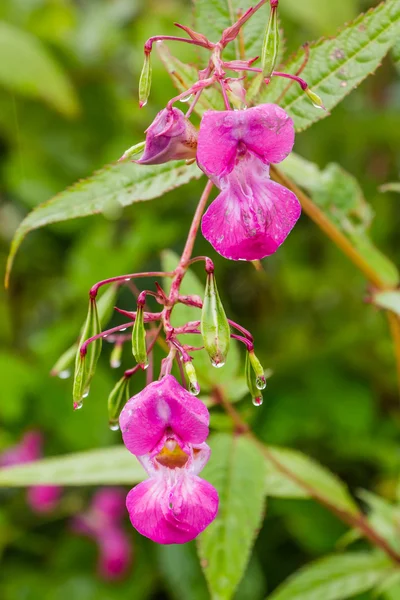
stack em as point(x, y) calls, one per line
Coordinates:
point(170, 137)
point(252, 216)
point(103, 523)
point(166, 428)
point(41, 498)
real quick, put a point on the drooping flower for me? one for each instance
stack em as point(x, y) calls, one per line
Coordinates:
point(252, 216)
point(41, 498)
point(166, 428)
point(102, 522)
point(170, 137)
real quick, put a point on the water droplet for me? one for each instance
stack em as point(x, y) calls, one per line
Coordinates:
point(343, 84)
point(127, 278)
point(105, 335)
point(186, 98)
point(124, 329)
point(194, 389)
point(257, 401)
point(217, 365)
point(78, 405)
point(114, 425)
point(64, 374)
point(114, 364)
point(86, 393)
point(261, 382)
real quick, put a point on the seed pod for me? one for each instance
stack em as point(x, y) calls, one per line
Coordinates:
point(215, 328)
point(139, 349)
point(261, 382)
point(315, 99)
point(117, 399)
point(190, 371)
point(85, 365)
point(145, 80)
point(270, 47)
point(115, 356)
point(256, 395)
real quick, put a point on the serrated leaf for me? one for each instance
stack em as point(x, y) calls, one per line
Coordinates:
point(119, 184)
point(213, 16)
point(308, 471)
point(237, 470)
point(27, 68)
point(389, 300)
point(108, 466)
point(349, 212)
point(336, 66)
point(336, 577)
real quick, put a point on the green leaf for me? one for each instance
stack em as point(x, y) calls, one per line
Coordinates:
point(383, 516)
point(109, 466)
point(306, 470)
point(238, 473)
point(213, 16)
point(349, 212)
point(336, 577)
point(389, 300)
point(27, 68)
point(115, 185)
point(336, 66)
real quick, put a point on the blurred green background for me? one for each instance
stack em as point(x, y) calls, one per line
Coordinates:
point(333, 393)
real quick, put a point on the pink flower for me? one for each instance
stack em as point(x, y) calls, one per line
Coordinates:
point(41, 498)
point(252, 216)
point(166, 428)
point(103, 523)
point(170, 137)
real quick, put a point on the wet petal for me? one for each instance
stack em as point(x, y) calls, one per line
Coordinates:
point(172, 512)
point(252, 216)
point(161, 405)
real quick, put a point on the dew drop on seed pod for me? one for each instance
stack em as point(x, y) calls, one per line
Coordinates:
point(194, 389)
point(78, 405)
point(257, 401)
point(261, 383)
point(114, 426)
point(217, 365)
point(64, 374)
point(86, 393)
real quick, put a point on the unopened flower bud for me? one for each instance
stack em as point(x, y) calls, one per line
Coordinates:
point(190, 371)
point(117, 399)
point(315, 99)
point(261, 381)
point(139, 349)
point(145, 80)
point(270, 47)
point(170, 137)
point(85, 364)
point(214, 324)
point(255, 393)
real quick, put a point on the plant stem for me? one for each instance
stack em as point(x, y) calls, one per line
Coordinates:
point(394, 323)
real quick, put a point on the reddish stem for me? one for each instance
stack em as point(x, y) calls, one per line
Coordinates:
point(121, 278)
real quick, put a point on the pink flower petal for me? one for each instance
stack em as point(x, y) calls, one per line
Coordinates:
point(266, 131)
point(252, 216)
point(161, 405)
point(43, 498)
point(27, 450)
point(110, 503)
point(172, 512)
point(115, 553)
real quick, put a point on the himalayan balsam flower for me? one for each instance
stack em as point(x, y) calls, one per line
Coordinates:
point(166, 428)
point(103, 523)
point(252, 216)
point(41, 498)
point(170, 137)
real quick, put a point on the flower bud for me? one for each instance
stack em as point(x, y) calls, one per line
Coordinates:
point(256, 395)
point(315, 99)
point(117, 399)
point(261, 382)
point(190, 371)
point(139, 349)
point(145, 80)
point(215, 328)
point(170, 137)
point(270, 47)
point(85, 364)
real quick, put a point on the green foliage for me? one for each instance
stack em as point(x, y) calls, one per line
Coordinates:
point(336, 66)
point(336, 577)
point(239, 477)
point(389, 300)
point(27, 68)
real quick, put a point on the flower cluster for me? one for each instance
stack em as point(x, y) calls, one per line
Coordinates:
point(166, 428)
point(102, 522)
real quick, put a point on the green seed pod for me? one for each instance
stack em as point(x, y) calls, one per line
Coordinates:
point(256, 395)
point(190, 371)
point(261, 382)
point(270, 47)
point(117, 399)
point(139, 349)
point(145, 80)
point(215, 328)
point(315, 99)
point(85, 365)
point(116, 355)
